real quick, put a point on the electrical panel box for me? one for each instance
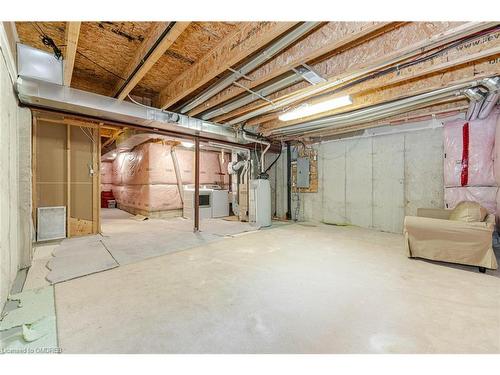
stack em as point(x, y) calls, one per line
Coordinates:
point(303, 180)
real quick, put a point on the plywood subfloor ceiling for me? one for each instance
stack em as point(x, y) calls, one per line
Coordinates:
point(167, 64)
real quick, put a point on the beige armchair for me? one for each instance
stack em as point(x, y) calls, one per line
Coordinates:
point(430, 235)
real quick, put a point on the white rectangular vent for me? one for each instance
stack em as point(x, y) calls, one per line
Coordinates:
point(51, 224)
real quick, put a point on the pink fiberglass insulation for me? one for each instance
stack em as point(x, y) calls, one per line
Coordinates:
point(145, 177)
point(106, 187)
point(106, 172)
point(486, 196)
point(152, 163)
point(469, 152)
point(148, 197)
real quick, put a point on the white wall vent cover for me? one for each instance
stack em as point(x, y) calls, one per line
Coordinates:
point(51, 223)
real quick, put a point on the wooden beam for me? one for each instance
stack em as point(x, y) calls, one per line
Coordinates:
point(249, 38)
point(401, 91)
point(71, 37)
point(443, 64)
point(112, 138)
point(471, 65)
point(333, 36)
point(160, 38)
point(454, 53)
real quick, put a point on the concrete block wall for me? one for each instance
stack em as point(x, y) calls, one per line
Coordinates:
point(15, 184)
point(375, 181)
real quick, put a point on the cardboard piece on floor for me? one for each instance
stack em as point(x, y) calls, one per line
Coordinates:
point(79, 257)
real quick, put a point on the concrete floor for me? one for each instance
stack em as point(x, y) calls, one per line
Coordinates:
point(293, 289)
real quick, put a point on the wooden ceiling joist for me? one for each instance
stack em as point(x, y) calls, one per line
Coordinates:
point(249, 38)
point(71, 38)
point(441, 65)
point(382, 59)
point(329, 38)
point(401, 90)
point(161, 37)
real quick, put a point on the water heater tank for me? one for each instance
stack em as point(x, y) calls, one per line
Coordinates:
point(262, 196)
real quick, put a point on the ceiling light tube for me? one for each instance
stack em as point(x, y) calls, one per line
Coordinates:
point(311, 109)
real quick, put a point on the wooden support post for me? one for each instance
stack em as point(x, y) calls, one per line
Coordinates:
point(196, 184)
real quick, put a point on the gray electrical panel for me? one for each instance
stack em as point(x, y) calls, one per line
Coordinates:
point(303, 173)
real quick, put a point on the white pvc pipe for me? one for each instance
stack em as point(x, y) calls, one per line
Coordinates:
point(268, 145)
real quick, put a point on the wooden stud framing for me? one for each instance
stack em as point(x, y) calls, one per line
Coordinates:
point(149, 61)
point(72, 34)
point(249, 38)
point(402, 84)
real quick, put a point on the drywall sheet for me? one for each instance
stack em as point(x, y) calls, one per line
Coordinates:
point(78, 257)
point(423, 170)
point(37, 318)
point(333, 182)
point(359, 182)
point(388, 182)
point(130, 240)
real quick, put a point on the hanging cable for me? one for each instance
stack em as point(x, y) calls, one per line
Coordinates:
point(100, 66)
point(275, 160)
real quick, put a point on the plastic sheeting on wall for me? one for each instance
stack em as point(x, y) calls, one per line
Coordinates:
point(486, 196)
point(469, 152)
point(151, 163)
point(106, 172)
point(145, 177)
point(148, 197)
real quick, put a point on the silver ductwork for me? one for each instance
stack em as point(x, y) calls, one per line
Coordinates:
point(272, 88)
point(377, 112)
point(49, 95)
point(261, 58)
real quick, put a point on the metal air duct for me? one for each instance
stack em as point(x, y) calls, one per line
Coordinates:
point(378, 111)
point(261, 58)
point(49, 95)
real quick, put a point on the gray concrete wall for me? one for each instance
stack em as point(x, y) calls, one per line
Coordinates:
point(15, 184)
point(374, 181)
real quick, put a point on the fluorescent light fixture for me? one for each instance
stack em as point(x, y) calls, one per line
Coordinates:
point(187, 144)
point(311, 109)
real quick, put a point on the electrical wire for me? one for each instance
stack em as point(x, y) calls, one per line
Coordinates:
point(275, 160)
point(48, 41)
point(100, 66)
point(417, 60)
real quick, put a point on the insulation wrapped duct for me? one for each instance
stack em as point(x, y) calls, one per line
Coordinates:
point(148, 197)
point(469, 152)
point(145, 178)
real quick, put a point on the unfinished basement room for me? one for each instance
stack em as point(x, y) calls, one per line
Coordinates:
point(250, 187)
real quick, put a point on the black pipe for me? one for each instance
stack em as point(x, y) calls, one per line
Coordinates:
point(150, 51)
point(288, 181)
